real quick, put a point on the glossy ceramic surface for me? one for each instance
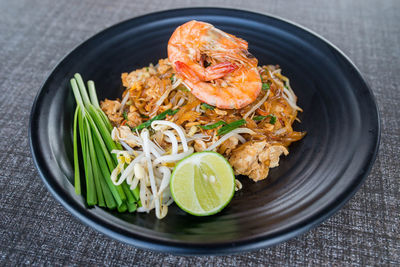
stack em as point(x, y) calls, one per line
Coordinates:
point(320, 174)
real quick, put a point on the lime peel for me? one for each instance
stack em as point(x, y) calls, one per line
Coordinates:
point(203, 183)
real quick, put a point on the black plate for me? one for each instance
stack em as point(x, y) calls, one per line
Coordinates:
point(318, 177)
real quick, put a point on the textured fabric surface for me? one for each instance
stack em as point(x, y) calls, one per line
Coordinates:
point(36, 229)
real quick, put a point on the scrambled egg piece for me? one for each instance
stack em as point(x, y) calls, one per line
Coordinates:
point(133, 118)
point(111, 109)
point(254, 158)
point(229, 145)
point(124, 134)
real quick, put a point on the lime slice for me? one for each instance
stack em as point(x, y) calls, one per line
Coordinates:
point(203, 183)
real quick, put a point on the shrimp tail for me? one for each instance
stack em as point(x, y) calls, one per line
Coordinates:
point(210, 73)
point(219, 70)
point(185, 71)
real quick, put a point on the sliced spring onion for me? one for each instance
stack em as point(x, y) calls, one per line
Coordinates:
point(122, 208)
point(96, 145)
point(272, 120)
point(231, 126)
point(260, 118)
point(160, 116)
point(77, 180)
point(205, 106)
point(96, 171)
point(106, 173)
point(125, 115)
point(93, 95)
point(212, 126)
point(108, 197)
point(265, 86)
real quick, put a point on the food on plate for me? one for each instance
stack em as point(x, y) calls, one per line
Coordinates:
point(203, 183)
point(215, 66)
point(97, 148)
point(208, 95)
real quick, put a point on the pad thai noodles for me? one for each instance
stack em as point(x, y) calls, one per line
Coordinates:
point(208, 95)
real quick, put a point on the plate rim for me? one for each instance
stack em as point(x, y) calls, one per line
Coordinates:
point(223, 248)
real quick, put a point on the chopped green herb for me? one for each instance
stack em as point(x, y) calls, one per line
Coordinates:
point(272, 119)
point(212, 126)
point(147, 68)
point(259, 118)
point(205, 106)
point(172, 78)
point(231, 126)
point(144, 116)
point(160, 116)
point(183, 88)
point(265, 86)
point(125, 115)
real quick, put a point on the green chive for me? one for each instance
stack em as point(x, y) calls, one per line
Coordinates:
point(136, 193)
point(183, 88)
point(259, 118)
point(125, 115)
point(77, 181)
point(122, 208)
point(93, 95)
point(131, 207)
point(265, 86)
point(110, 162)
point(212, 126)
point(91, 197)
point(205, 106)
point(77, 95)
point(82, 89)
point(102, 127)
point(96, 144)
point(96, 171)
point(106, 173)
point(160, 116)
point(108, 197)
point(129, 196)
point(94, 130)
point(231, 126)
point(272, 119)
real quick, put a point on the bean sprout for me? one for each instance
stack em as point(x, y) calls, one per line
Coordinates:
point(255, 107)
point(124, 102)
point(173, 140)
point(176, 127)
point(174, 158)
point(228, 135)
point(150, 166)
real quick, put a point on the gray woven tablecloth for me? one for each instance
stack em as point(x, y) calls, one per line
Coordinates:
point(36, 229)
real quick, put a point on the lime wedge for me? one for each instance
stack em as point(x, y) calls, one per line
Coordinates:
point(203, 183)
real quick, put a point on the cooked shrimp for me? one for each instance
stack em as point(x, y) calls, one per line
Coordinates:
point(214, 65)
